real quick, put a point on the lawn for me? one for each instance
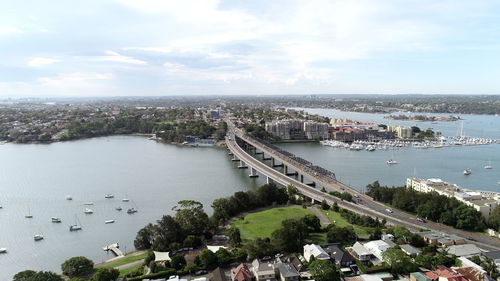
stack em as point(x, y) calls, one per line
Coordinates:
point(262, 224)
point(125, 260)
point(336, 218)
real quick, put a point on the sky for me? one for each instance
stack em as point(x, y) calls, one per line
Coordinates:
point(253, 47)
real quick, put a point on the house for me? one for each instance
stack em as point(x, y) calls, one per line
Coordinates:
point(219, 274)
point(298, 264)
point(263, 271)
point(419, 276)
point(287, 272)
point(313, 250)
point(446, 274)
point(381, 276)
point(472, 271)
point(377, 248)
point(359, 252)
point(241, 273)
point(410, 250)
point(466, 250)
point(338, 255)
point(441, 239)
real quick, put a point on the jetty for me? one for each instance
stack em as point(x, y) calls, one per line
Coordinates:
point(115, 248)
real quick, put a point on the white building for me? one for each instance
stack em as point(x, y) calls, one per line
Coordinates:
point(377, 248)
point(313, 250)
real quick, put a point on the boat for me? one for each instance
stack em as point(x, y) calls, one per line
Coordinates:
point(75, 226)
point(370, 148)
point(391, 162)
point(29, 215)
point(118, 208)
point(125, 199)
point(38, 237)
point(109, 196)
point(131, 211)
point(88, 203)
point(88, 211)
point(3, 250)
point(56, 220)
point(1, 207)
point(488, 167)
point(467, 172)
point(109, 221)
point(68, 197)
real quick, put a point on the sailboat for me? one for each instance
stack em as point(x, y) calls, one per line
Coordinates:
point(75, 226)
point(125, 199)
point(29, 215)
point(3, 250)
point(467, 172)
point(38, 237)
point(391, 161)
point(488, 167)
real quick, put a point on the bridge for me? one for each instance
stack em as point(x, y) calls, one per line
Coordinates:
point(296, 171)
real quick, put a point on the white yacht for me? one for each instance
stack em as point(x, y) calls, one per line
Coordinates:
point(391, 162)
point(88, 211)
point(467, 172)
point(109, 221)
point(38, 237)
point(109, 196)
point(29, 215)
point(131, 211)
point(118, 208)
point(3, 250)
point(125, 199)
point(56, 220)
point(75, 226)
point(488, 167)
point(88, 203)
point(68, 197)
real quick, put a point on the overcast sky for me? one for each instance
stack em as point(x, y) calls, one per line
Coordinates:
point(164, 47)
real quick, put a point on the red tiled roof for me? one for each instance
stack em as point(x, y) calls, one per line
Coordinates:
point(242, 273)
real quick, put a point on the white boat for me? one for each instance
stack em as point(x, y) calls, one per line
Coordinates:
point(109, 221)
point(109, 196)
point(125, 199)
point(68, 197)
point(467, 172)
point(56, 220)
point(3, 250)
point(29, 215)
point(88, 203)
point(488, 167)
point(88, 211)
point(1, 207)
point(118, 208)
point(38, 237)
point(391, 162)
point(370, 148)
point(75, 226)
point(131, 211)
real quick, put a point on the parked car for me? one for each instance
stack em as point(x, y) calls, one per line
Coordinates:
point(388, 210)
point(421, 220)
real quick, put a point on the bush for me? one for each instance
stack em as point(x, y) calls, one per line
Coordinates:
point(77, 266)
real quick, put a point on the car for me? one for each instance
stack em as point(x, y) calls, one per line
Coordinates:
point(388, 210)
point(421, 220)
point(471, 238)
point(200, 272)
point(355, 195)
point(278, 255)
point(266, 258)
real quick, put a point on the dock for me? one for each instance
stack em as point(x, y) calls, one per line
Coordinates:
point(115, 248)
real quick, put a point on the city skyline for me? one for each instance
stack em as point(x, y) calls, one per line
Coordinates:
point(153, 48)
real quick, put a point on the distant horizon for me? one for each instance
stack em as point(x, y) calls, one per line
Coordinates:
point(292, 47)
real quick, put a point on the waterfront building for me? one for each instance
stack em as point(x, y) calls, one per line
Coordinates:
point(314, 130)
point(296, 129)
point(402, 132)
point(484, 202)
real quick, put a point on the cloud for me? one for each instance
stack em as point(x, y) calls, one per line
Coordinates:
point(73, 79)
point(116, 57)
point(38, 62)
point(5, 30)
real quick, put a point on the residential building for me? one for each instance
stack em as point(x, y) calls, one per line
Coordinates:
point(315, 130)
point(410, 250)
point(402, 132)
point(359, 252)
point(263, 271)
point(472, 271)
point(338, 255)
point(241, 273)
point(286, 129)
point(419, 276)
point(441, 239)
point(446, 274)
point(465, 250)
point(219, 274)
point(377, 248)
point(287, 272)
point(313, 250)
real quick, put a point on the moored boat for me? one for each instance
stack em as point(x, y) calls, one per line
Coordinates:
point(109, 221)
point(3, 250)
point(467, 172)
point(56, 220)
point(88, 211)
point(38, 237)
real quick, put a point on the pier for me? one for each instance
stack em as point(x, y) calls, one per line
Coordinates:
point(115, 249)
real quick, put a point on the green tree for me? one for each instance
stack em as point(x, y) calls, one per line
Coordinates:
point(224, 257)
point(77, 266)
point(208, 259)
point(259, 248)
point(324, 270)
point(234, 236)
point(193, 218)
point(178, 262)
point(345, 235)
point(324, 205)
point(144, 238)
point(494, 219)
point(30, 275)
point(106, 274)
point(24, 275)
point(400, 263)
point(291, 236)
point(312, 222)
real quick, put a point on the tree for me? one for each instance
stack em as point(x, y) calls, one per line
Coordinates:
point(77, 266)
point(178, 262)
point(345, 235)
point(259, 248)
point(234, 236)
point(24, 275)
point(224, 257)
point(399, 261)
point(489, 266)
point(324, 205)
point(144, 238)
point(291, 236)
point(30, 275)
point(312, 222)
point(324, 270)
point(208, 259)
point(193, 217)
point(376, 234)
point(106, 274)
point(494, 219)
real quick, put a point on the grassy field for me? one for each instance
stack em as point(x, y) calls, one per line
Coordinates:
point(336, 218)
point(124, 272)
point(262, 224)
point(125, 260)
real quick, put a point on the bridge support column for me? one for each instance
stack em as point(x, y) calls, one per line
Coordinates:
point(288, 173)
point(265, 158)
point(242, 165)
point(302, 178)
point(258, 152)
point(269, 180)
point(276, 165)
point(235, 158)
point(253, 173)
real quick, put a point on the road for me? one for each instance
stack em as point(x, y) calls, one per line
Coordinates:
point(366, 206)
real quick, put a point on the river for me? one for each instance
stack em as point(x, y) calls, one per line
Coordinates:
point(36, 178)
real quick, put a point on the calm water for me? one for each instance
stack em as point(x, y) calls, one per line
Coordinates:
point(358, 168)
point(153, 175)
